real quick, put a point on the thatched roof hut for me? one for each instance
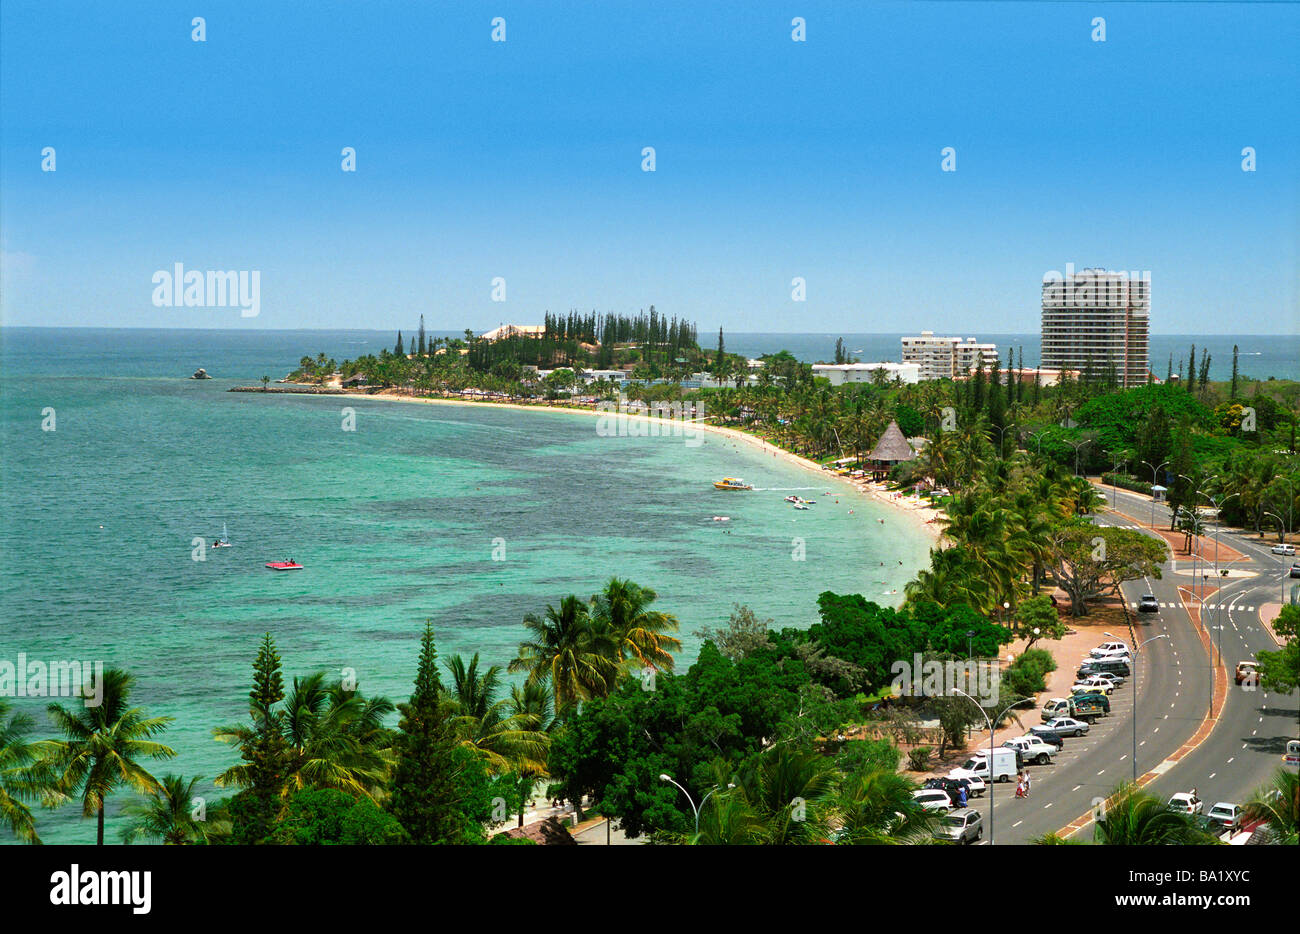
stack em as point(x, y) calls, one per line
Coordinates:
point(892, 447)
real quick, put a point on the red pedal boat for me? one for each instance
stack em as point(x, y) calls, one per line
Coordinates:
point(284, 566)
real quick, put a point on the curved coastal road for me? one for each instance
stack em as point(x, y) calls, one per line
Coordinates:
point(1173, 684)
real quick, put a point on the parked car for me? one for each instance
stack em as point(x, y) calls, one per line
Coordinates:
point(1119, 655)
point(1246, 671)
point(1047, 736)
point(1064, 726)
point(1115, 666)
point(1227, 815)
point(1111, 648)
point(1148, 603)
point(1295, 570)
point(1185, 802)
point(1284, 550)
point(974, 786)
point(965, 825)
point(933, 799)
point(1092, 685)
point(1033, 749)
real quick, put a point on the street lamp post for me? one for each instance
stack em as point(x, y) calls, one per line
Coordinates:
point(666, 778)
point(1155, 469)
point(992, 840)
point(1282, 598)
point(1218, 581)
point(1136, 650)
point(1194, 520)
point(1117, 459)
point(1078, 445)
point(970, 634)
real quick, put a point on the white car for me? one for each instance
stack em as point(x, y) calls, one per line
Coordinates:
point(1062, 726)
point(1284, 550)
point(932, 799)
point(1119, 655)
point(1226, 815)
point(1110, 648)
point(1186, 803)
point(1092, 684)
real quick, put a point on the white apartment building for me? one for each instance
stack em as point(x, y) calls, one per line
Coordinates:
point(841, 373)
point(947, 357)
point(1097, 319)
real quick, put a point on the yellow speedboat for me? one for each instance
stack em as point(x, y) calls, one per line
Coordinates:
point(731, 483)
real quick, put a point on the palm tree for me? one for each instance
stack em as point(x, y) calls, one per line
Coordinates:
point(536, 699)
point(1278, 805)
point(875, 806)
point(100, 749)
point(639, 633)
point(726, 819)
point(168, 815)
point(15, 757)
point(1135, 818)
point(789, 791)
point(508, 742)
point(335, 736)
point(579, 660)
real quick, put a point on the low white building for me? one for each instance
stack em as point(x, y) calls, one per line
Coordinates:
point(841, 373)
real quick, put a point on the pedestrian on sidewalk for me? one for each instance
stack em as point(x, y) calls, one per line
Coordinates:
point(1027, 783)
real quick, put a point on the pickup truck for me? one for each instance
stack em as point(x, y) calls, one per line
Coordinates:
point(1091, 706)
point(1032, 749)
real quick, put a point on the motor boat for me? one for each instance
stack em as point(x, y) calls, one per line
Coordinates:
point(731, 483)
point(284, 565)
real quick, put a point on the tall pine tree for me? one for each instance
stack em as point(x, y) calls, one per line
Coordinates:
point(427, 796)
point(256, 809)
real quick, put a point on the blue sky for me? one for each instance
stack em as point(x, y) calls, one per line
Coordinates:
point(775, 159)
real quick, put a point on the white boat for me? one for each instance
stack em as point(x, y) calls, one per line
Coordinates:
point(224, 540)
point(800, 505)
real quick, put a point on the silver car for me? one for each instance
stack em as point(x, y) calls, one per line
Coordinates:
point(964, 825)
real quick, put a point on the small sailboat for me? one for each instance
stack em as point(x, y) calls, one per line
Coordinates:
point(284, 565)
point(224, 540)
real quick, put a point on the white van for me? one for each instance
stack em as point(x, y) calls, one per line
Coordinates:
point(1006, 765)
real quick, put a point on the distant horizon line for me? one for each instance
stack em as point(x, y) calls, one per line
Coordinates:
point(233, 330)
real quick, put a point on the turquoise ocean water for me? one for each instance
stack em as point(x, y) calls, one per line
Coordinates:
point(395, 523)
